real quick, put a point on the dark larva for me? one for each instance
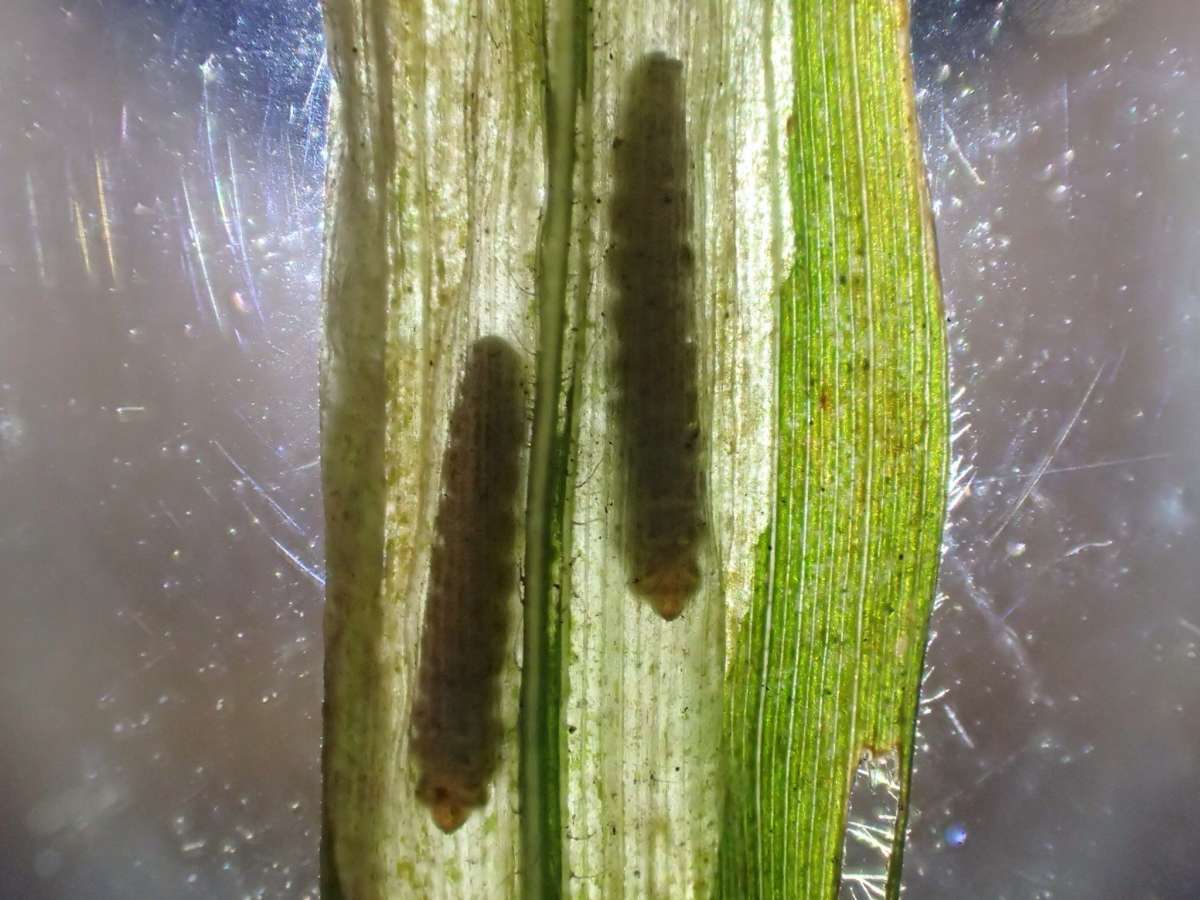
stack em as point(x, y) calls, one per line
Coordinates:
point(655, 363)
point(472, 577)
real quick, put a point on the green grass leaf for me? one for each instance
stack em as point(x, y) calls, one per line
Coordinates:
point(828, 659)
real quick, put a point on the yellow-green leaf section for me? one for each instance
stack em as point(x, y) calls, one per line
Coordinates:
point(827, 662)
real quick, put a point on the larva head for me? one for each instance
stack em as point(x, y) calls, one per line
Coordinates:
point(450, 799)
point(669, 586)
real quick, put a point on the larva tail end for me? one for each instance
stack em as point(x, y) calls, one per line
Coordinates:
point(450, 802)
point(669, 587)
point(669, 606)
point(449, 816)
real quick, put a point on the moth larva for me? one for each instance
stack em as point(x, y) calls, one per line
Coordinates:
point(651, 270)
point(472, 576)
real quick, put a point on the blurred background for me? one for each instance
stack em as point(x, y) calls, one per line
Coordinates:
point(1061, 728)
point(161, 175)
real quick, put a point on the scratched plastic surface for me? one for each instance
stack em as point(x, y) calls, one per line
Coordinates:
point(161, 175)
point(160, 213)
point(1058, 753)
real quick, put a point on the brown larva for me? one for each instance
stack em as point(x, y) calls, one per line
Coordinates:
point(655, 362)
point(472, 578)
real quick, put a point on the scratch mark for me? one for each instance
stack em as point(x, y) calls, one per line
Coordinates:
point(105, 219)
point(34, 226)
point(170, 516)
point(293, 191)
point(82, 235)
point(315, 577)
point(962, 157)
point(871, 885)
point(934, 698)
point(312, 88)
point(137, 620)
point(238, 236)
point(208, 73)
point(186, 257)
point(958, 725)
point(1068, 153)
point(1044, 465)
point(297, 563)
point(260, 490)
point(311, 133)
point(988, 774)
point(1088, 546)
point(1003, 635)
point(962, 476)
point(1082, 467)
point(194, 234)
point(1193, 628)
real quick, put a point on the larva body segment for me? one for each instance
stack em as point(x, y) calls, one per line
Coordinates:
point(472, 577)
point(655, 363)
